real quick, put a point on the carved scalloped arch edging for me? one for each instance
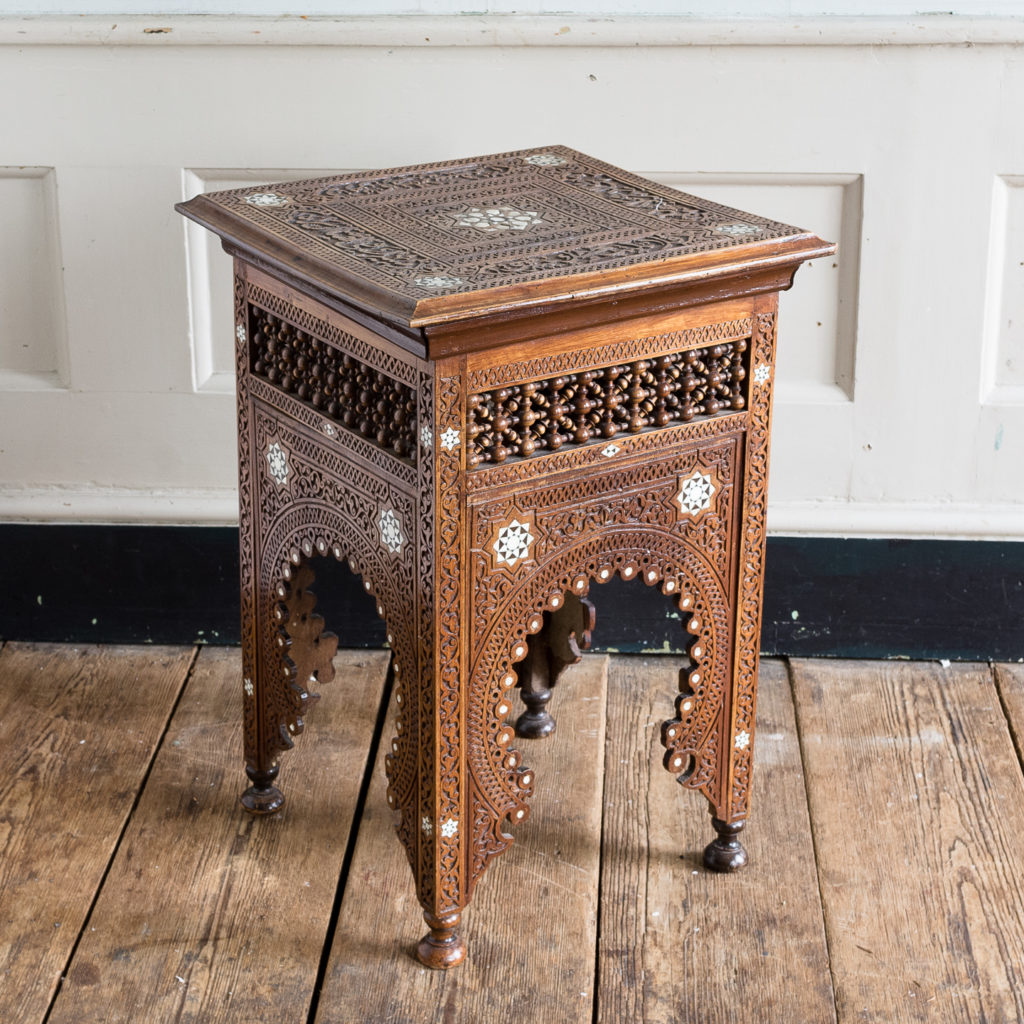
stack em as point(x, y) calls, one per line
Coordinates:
point(500, 785)
point(303, 531)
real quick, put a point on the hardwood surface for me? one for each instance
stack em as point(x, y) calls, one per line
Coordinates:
point(78, 728)
point(679, 943)
point(1011, 689)
point(917, 801)
point(531, 928)
point(209, 914)
point(900, 897)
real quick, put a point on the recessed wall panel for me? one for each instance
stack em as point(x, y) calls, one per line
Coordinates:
point(31, 297)
point(1003, 354)
point(819, 316)
point(210, 274)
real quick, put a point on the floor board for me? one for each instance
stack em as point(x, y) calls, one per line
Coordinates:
point(885, 884)
point(917, 804)
point(1010, 679)
point(210, 915)
point(78, 728)
point(681, 944)
point(531, 928)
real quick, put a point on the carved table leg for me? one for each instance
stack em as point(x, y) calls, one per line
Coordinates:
point(725, 853)
point(442, 947)
point(262, 797)
point(731, 799)
point(559, 644)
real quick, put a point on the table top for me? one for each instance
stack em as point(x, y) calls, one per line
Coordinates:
point(444, 242)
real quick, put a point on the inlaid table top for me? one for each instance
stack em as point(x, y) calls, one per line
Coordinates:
point(442, 242)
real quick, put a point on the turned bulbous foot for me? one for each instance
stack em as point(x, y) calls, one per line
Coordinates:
point(442, 947)
point(262, 797)
point(725, 853)
point(533, 725)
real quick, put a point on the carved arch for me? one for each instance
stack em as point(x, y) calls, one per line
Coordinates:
point(499, 784)
point(303, 531)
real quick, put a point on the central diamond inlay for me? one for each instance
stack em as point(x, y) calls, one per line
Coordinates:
point(492, 219)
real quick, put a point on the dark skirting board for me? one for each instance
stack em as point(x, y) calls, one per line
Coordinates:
point(824, 596)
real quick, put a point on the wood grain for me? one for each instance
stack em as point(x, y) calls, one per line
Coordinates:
point(598, 334)
point(78, 728)
point(531, 928)
point(1010, 679)
point(679, 943)
point(918, 806)
point(209, 914)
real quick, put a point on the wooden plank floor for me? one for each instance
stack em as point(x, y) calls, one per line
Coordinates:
point(886, 880)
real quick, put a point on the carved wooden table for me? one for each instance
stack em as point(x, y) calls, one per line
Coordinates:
point(486, 385)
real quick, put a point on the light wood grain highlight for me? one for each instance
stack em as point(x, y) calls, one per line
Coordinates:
point(679, 943)
point(78, 728)
point(209, 915)
point(918, 807)
point(532, 926)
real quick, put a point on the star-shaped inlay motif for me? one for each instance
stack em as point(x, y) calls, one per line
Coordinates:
point(240, 332)
point(277, 458)
point(738, 230)
point(449, 827)
point(742, 740)
point(513, 543)
point(762, 373)
point(428, 825)
point(426, 437)
point(390, 531)
point(545, 160)
point(439, 282)
point(450, 438)
point(696, 493)
point(266, 199)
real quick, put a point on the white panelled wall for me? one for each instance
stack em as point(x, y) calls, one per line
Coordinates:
point(901, 380)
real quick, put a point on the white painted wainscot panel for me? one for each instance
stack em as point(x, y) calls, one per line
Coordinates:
point(901, 395)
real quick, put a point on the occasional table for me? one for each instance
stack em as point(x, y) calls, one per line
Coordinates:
point(487, 385)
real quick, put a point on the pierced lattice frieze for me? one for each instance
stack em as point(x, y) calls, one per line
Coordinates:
point(352, 444)
point(572, 409)
point(626, 351)
point(339, 386)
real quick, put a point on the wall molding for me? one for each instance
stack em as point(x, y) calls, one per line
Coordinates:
point(896, 520)
point(512, 30)
point(219, 507)
point(157, 506)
